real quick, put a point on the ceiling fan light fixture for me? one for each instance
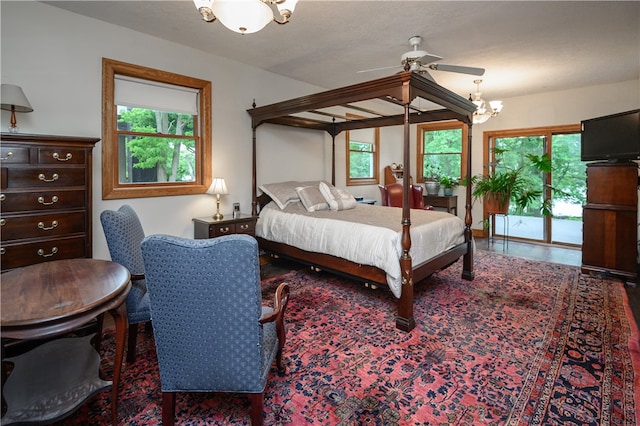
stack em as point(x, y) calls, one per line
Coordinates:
point(245, 16)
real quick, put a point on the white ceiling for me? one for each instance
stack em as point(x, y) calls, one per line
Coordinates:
point(526, 47)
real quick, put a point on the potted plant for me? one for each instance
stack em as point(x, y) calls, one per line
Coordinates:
point(432, 176)
point(448, 183)
point(505, 185)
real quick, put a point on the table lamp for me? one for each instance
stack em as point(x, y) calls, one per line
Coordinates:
point(14, 100)
point(217, 188)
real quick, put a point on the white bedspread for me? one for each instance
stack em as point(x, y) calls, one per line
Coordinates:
point(368, 234)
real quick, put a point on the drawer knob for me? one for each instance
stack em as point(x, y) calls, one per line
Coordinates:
point(3, 222)
point(9, 155)
point(244, 227)
point(3, 250)
point(3, 197)
point(54, 200)
point(54, 225)
point(66, 158)
point(224, 230)
point(43, 178)
point(54, 250)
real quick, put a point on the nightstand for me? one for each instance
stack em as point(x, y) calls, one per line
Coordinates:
point(207, 227)
point(448, 202)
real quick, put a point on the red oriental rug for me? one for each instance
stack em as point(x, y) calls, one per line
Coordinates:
point(525, 343)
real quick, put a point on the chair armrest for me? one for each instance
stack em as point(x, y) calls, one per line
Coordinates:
point(280, 302)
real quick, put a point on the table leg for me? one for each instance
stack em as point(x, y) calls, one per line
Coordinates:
point(122, 325)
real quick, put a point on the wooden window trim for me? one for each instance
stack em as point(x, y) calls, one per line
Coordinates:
point(441, 125)
point(376, 158)
point(111, 187)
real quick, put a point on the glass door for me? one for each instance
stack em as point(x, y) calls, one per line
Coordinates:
point(564, 189)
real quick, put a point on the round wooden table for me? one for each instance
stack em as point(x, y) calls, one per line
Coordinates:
point(53, 298)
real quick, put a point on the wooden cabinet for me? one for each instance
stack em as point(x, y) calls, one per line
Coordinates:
point(45, 198)
point(207, 227)
point(610, 219)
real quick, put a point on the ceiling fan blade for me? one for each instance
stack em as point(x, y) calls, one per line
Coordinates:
point(428, 58)
point(457, 68)
point(379, 69)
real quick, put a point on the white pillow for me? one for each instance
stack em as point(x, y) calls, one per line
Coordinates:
point(282, 193)
point(312, 199)
point(338, 199)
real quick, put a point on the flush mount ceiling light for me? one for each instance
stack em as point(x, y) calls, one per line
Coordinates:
point(245, 16)
point(482, 114)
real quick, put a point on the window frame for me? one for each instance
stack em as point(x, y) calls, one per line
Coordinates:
point(111, 187)
point(375, 156)
point(441, 125)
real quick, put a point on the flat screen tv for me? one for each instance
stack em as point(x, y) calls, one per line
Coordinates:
point(613, 137)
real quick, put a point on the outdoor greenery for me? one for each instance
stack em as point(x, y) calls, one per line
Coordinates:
point(361, 159)
point(150, 144)
point(442, 153)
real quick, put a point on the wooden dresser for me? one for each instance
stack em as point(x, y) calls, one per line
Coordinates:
point(45, 198)
point(610, 220)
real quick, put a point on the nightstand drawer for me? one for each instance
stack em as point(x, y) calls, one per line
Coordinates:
point(209, 228)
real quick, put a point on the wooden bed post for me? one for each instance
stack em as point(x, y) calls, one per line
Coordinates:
point(467, 260)
point(405, 320)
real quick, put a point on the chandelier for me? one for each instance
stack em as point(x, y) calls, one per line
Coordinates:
point(482, 114)
point(245, 16)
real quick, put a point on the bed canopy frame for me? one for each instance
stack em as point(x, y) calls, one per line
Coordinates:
point(404, 92)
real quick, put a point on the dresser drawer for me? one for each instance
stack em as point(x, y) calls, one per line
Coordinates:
point(41, 200)
point(23, 254)
point(14, 154)
point(42, 177)
point(42, 225)
point(59, 155)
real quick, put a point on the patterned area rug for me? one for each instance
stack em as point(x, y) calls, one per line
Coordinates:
point(525, 343)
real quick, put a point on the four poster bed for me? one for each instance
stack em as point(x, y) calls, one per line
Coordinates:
point(415, 99)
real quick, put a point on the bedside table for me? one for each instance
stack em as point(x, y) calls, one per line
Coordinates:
point(207, 227)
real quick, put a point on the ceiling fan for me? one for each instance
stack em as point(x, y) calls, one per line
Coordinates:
point(421, 61)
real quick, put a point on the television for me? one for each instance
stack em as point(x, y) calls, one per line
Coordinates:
point(612, 138)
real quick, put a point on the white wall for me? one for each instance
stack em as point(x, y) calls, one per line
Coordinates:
point(55, 56)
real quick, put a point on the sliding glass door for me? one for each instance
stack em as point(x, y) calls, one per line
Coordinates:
point(564, 189)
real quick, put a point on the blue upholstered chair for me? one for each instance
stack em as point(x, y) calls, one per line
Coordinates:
point(211, 331)
point(124, 235)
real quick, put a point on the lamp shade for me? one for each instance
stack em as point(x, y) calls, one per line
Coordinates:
point(243, 16)
point(13, 96)
point(218, 187)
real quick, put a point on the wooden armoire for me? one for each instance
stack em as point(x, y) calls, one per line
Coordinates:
point(610, 220)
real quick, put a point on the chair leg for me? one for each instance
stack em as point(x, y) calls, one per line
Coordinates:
point(131, 347)
point(257, 408)
point(168, 408)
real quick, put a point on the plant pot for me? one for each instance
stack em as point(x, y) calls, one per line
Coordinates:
point(432, 187)
point(496, 204)
point(448, 192)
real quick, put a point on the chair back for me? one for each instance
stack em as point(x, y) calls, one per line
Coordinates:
point(391, 195)
point(206, 305)
point(124, 234)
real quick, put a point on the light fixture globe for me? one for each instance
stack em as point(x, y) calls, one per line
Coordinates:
point(242, 16)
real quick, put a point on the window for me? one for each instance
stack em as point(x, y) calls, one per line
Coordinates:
point(156, 132)
point(362, 155)
point(442, 150)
